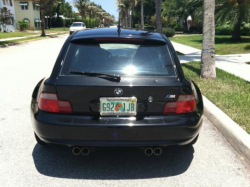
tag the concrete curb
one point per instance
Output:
(237, 137)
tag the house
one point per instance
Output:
(28, 11)
(11, 24)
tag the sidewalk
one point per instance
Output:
(16, 38)
(234, 64)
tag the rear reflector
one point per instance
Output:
(184, 104)
(49, 102)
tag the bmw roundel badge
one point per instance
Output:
(118, 92)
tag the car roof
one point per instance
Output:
(113, 33)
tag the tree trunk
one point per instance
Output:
(142, 15)
(208, 70)
(158, 5)
(236, 31)
(126, 20)
(43, 21)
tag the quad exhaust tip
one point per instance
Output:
(85, 151)
(150, 151)
(78, 150)
(157, 151)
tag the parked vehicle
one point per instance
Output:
(77, 26)
(117, 88)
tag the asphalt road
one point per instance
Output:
(210, 162)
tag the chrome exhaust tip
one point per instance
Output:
(76, 151)
(149, 151)
(157, 151)
(85, 151)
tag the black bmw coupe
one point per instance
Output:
(114, 87)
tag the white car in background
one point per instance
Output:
(76, 26)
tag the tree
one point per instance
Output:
(66, 11)
(5, 17)
(44, 4)
(208, 69)
(82, 6)
(148, 11)
(158, 6)
(142, 15)
(235, 11)
(123, 8)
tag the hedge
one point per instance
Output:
(169, 32)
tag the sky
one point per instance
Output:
(108, 5)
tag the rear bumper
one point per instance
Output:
(76, 130)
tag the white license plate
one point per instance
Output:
(118, 106)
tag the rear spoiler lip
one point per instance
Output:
(123, 38)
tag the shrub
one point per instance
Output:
(178, 27)
(23, 25)
(223, 29)
(57, 22)
(168, 32)
(245, 29)
(149, 28)
(146, 27)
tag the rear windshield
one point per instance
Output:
(119, 58)
(76, 25)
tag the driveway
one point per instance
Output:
(210, 162)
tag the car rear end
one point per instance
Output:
(84, 104)
(76, 26)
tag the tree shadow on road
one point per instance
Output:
(112, 163)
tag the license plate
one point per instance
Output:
(118, 106)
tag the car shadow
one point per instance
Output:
(112, 163)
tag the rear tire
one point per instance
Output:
(39, 141)
(194, 140)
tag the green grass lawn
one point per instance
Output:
(25, 33)
(223, 44)
(26, 39)
(14, 34)
(57, 29)
(179, 53)
(228, 92)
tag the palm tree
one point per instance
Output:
(237, 11)
(158, 5)
(82, 6)
(142, 15)
(208, 70)
(43, 6)
(123, 8)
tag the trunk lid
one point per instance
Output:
(84, 92)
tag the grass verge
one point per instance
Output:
(228, 92)
(223, 44)
(26, 39)
(179, 53)
(4, 35)
(55, 29)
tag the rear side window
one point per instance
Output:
(119, 58)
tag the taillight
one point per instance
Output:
(184, 104)
(49, 102)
